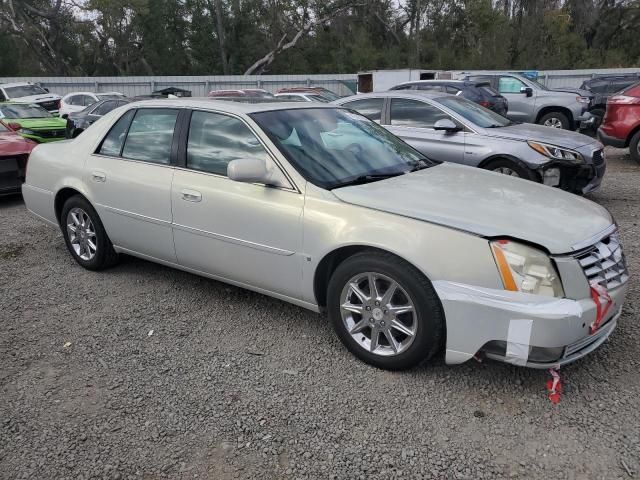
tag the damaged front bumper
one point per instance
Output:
(519, 328)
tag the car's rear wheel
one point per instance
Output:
(634, 147)
(85, 235)
(385, 311)
(511, 168)
(555, 120)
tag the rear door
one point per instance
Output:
(243, 232)
(129, 179)
(413, 120)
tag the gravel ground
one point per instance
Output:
(147, 372)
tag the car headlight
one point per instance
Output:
(26, 131)
(526, 269)
(557, 153)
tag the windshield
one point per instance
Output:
(474, 113)
(24, 91)
(23, 111)
(334, 147)
(537, 84)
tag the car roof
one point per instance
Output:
(229, 106)
(449, 81)
(413, 94)
(17, 84)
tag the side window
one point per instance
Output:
(510, 85)
(215, 140)
(105, 108)
(369, 107)
(74, 100)
(150, 135)
(413, 113)
(112, 143)
(87, 100)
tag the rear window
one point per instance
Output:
(632, 91)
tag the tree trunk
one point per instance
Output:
(221, 37)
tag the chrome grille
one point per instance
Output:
(598, 157)
(604, 263)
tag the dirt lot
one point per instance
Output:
(146, 372)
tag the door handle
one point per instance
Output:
(191, 196)
(99, 176)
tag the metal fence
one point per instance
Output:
(199, 86)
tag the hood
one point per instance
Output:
(44, 97)
(485, 203)
(13, 144)
(52, 123)
(579, 91)
(540, 133)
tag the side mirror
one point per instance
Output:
(254, 170)
(446, 125)
(528, 91)
(14, 126)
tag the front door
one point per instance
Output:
(243, 232)
(129, 180)
(413, 120)
(521, 107)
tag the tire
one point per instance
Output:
(555, 120)
(634, 147)
(103, 256)
(425, 321)
(505, 166)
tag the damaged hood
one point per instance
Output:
(485, 203)
(540, 133)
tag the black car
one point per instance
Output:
(78, 122)
(604, 86)
(479, 92)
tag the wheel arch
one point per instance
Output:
(62, 196)
(635, 130)
(556, 108)
(332, 259)
(512, 158)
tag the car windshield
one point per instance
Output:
(23, 111)
(537, 84)
(24, 91)
(475, 113)
(336, 147)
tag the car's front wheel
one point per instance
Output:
(385, 311)
(555, 120)
(511, 168)
(85, 235)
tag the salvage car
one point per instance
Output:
(14, 153)
(453, 129)
(78, 101)
(481, 93)
(407, 255)
(621, 125)
(26, 92)
(604, 86)
(533, 102)
(78, 122)
(32, 121)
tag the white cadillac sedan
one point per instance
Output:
(321, 207)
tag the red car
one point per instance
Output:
(14, 152)
(621, 125)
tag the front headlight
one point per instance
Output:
(557, 153)
(526, 269)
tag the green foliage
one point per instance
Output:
(183, 37)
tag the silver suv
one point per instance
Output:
(450, 128)
(532, 102)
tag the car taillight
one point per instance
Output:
(485, 104)
(623, 100)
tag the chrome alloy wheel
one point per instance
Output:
(82, 234)
(553, 122)
(506, 171)
(378, 314)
